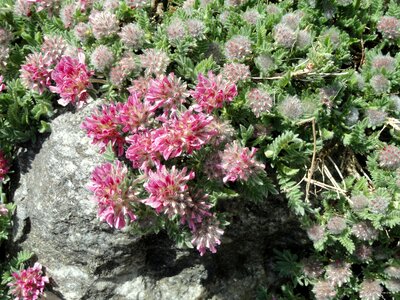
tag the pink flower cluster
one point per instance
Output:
(158, 124)
(212, 92)
(238, 162)
(3, 210)
(2, 84)
(72, 80)
(36, 72)
(71, 75)
(171, 134)
(112, 193)
(4, 166)
(185, 133)
(28, 284)
(167, 190)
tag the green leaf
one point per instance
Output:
(109, 153)
(347, 242)
(44, 127)
(204, 66)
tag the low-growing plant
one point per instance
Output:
(210, 101)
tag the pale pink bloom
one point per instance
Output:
(54, 46)
(112, 194)
(211, 167)
(122, 70)
(111, 5)
(103, 127)
(5, 36)
(85, 4)
(236, 72)
(176, 30)
(139, 86)
(207, 235)
(28, 284)
(128, 63)
(187, 132)
(167, 189)
(167, 92)
(154, 61)
(67, 14)
(389, 27)
(137, 4)
(238, 48)
(4, 165)
(224, 131)
(140, 151)
(36, 72)
(2, 85)
(338, 273)
(3, 210)
(117, 75)
(212, 92)
(82, 31)
(238, 162)
(134, 114)
(132, 36)
(101, 58)
(259, 101)
(72, 80)
(195, 28)
(22, 8)
(104, 24)
(49, 5)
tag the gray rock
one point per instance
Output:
(86, 259)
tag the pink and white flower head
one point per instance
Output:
(72, 77)
(139, 86)
(3, 210)
(207, 235)
(67, 14)
(103, 128)
(167, 92)
(36, 72)
(54, 46)
(134, 114)
(104, 24)
(82, 31)
(49, 5)
(137, 4)
(22, 8)
(112, 194)
(224, 131)
(185, 133)
(28, 284)
(236, 72)
(197, 208)
(238, 162)
(2, 84)
(238, 48)
(168, 189)
(101, 58)
(140, 151)
(259, 101)
(85, 4)
(132, 36)
(122, 70)
(212, 92)
(154, 61)
(4, 165)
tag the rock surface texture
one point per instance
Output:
(86, 259)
